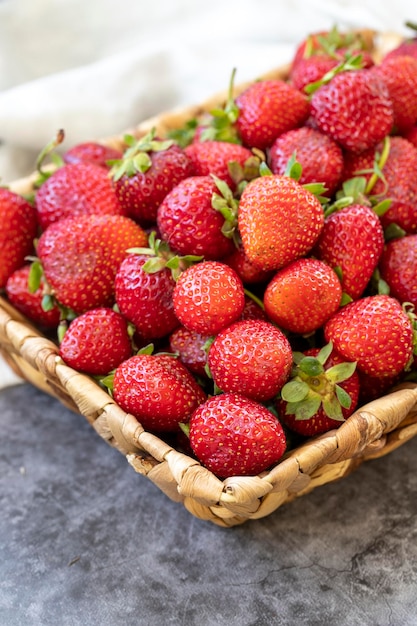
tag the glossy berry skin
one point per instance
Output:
(76, 189)
(250, 273)
(399, 184)
(279, 221)
(213, 157)
(145, 298)
(158, 390)
(92, 152)
(354, 109)
(320, 157)
(250, 357)
(400, 76)
(208, 297)
(352, 239)
(375, 332)
(189, 346)
(141, 194)
(81, 255)
(311, 69)
(28, 303)
(96, 342)
(18, 230)
(302, 296)
(267, 109)
(320, 422)
(398, 267)
(189, 223)
(235, 436)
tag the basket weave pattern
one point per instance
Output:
(372, 431)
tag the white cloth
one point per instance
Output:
(95, 68)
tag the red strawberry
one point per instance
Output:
(148, 171)
(250, 357)
(249, 273)
(30, 303)
(398, 267)
(351, 242)
(374, 331)
(92, 152)
(407, 47)
(399, 182)
(189, 346)
(96, 342)
(302, 296)
(253, 310)
(311, 69)
(76, 189)
(354, 109)
(267, 109)
(323, 392)
(18, 229)
(400, 76)
(279, 221)
(214, 157)
(158, 390)
(333, 43)
(235, 436)
(208, 297)
(145, 297)
(320, 157)
(188, 218)
(80, 257)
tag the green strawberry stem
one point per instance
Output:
(48, 151)
(349, 63)
(136, 156)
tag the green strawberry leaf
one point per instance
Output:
(293, 168)
(35, 276)
(340, 372)
(344, 398)
(325, 352)
(295, 391)
(306, 409)
(332, 408)
(393, 231)
(311, 366)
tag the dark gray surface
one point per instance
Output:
(84, 540)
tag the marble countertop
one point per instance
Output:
(85, 540)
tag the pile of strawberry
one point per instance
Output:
(249, 280)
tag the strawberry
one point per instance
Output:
(30, 303)
(398, 267)
(311, 69)
(145, 297)
(76, 189)
(253, 309)
(279, 221)
(214, 157)
(374, 331)
(96, 342)
(92, 152)
(303, 295)
(19, 227)
(320, 157)
(190, 347)
(267, 109)
(80, 256)
(407, 47)
(354, 109)
(235, 436)
(208, 297)
(322, 393)
(158, 390)
(400, 76)
(149, 169)
(396, 158)
(351, 242)
(188, 218)
(333, 43)
(249, 273)
(250, 357)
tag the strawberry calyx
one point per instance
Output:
(331, 42)
(221, 123)
(136, 157)
(350, 62)
(226, 204)
(294, 170)
(161, 256)
(312, 386)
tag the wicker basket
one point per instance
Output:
(373, 431)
